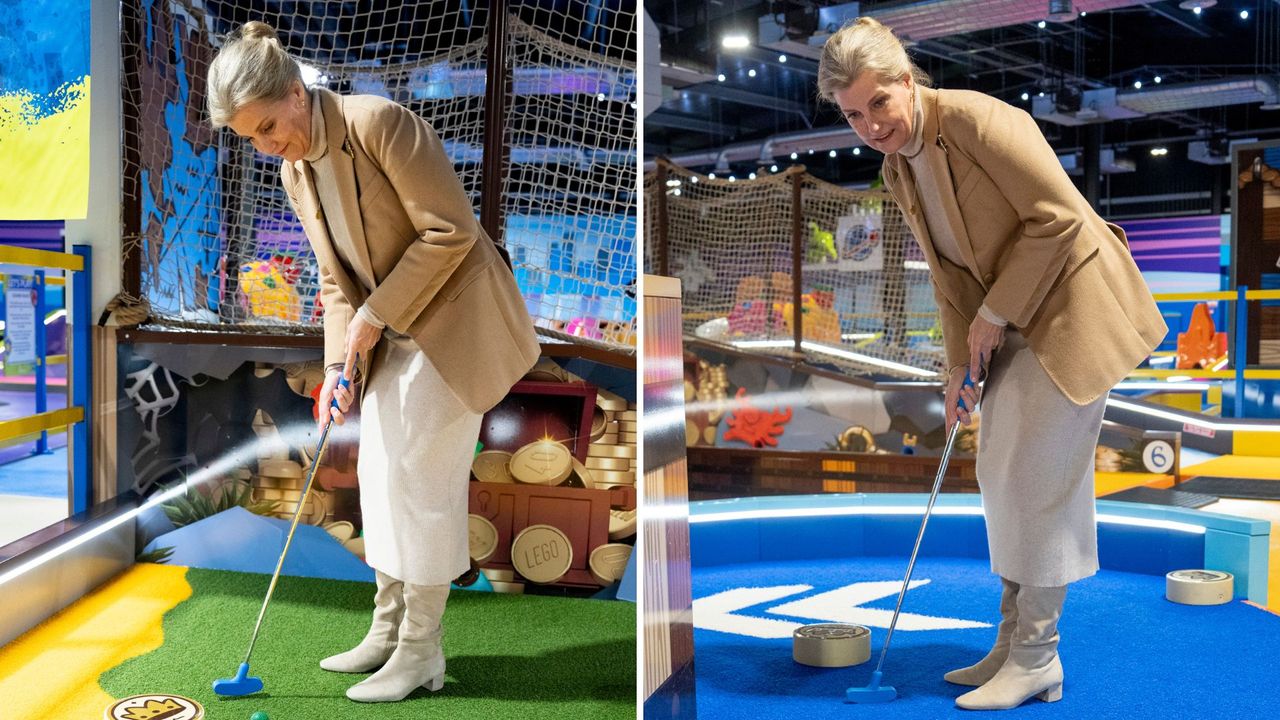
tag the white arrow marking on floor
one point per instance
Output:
(719, 612)
(716, 612)
(843, 605)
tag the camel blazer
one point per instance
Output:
(439, 278)
(1034, 250)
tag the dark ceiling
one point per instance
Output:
(1103, 49)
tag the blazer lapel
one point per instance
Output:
(903, 185)
(313, 223)
(343, 160)
(936, 153)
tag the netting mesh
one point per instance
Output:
(218, 243)
(866, 303)
(569, 191)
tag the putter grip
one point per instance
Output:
(343, 381)
(968, 382)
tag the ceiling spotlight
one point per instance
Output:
(1157, 79)
(1026, 96)
(857, 151)
(773, 168)
(600, 97)
(733, 178)
(1041, 93)
(831, 154)
(677, 192)
(711, 175)
(810, 151)
(1159, 151)
(735, 41)
(720, 77)
(782, 58)
(1083, 13)
(1244, 14)
(1042, 24)
(751, 72)
(1137, 84)
(693, 179)
(752, 176)
(795, 156)
(1197, 10)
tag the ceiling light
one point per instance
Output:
(1157, 79)
(1159, 151)
(782, 58)
(1041, 24)
(733, 178)
(831, 154)
(1083, 13)
(751, 72)
(711, 175)
(600, 97)
(773, 168)
(795, 156)
(720, 77)
(1197, 10)
(693, 179)
(1041, 93)
(857, 151)
(810, 151)
(1137, 84)
(1244, 14)
(735, 41)
(752, 176)
(1026, 96)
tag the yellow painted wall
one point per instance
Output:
(44, 162)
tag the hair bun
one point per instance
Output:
(255, 30)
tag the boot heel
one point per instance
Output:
(437, 682)
(1053, 694)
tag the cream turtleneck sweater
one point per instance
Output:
(944, 240)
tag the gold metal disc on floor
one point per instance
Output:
(1199, 587)
(831, 645)
(155, 706)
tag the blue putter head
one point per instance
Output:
(241, 684)
(872, 693)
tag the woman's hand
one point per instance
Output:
(955, 391)
(361, 337)
(328, 392)
(984, 338)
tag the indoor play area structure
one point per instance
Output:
(162, 367)
(812, 440)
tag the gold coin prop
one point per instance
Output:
(613, 477)
(608, 562)
(482, 538)
(580, 477)
(544, 462)
(492, 466)
(341, 530)
(542, 553)
(622, 524)
(596, 463)
(275, 468)
(148, 707)
(611, 451)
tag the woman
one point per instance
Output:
(1018, 261)
(413, 287)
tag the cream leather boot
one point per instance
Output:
(418, 660)
(986, 668)
(380, 641)
(1033, 668)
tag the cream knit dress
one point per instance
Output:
(1035, 446)
(417, 440)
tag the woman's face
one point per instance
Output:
(281, 128)
(880, 112)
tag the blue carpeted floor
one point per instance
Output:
(1128, 652)
(35, 475)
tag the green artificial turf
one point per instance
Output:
(509, 656)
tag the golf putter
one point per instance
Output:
(243, 683)
(873, 692)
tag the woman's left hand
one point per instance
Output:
(984, 338)
(361, 337)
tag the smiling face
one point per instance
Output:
(880, 112)
(280, 128)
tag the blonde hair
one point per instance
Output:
(863, 45)
(251, 66)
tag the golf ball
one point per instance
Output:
(258, 716)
